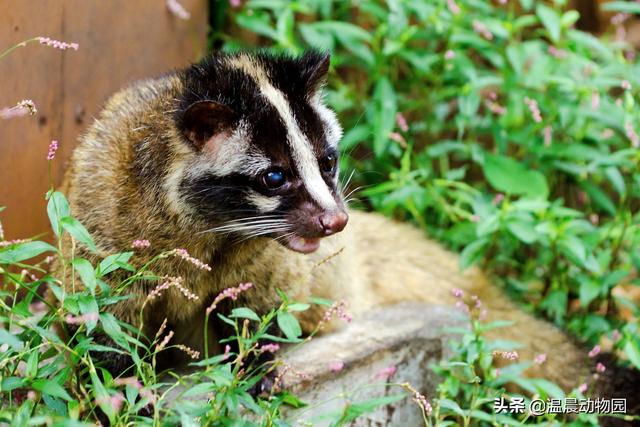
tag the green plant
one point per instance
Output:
(500, 129)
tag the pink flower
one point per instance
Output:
(556, 53)
(22, 108)
(534, 109)
(449, 55)
(336, 366)
(338, 309)
(128, 381)
(395, 136)
(423, 402)
(453, 7)
(82, 319)
(582, 388)
(508, 355)
(625, 85)
(172, 282)
(269, 348)
(457, 292)
(475, 218)
(387, 372)
(496, 108)
(231, 293)
(401, 121)
(498, 199)
(227, 352)
(600, 368)
(115, 401)
(498, 372)
(140, 244)
(476, 301)
(481, 29)
(57, 44)
(182, 253)
(540, 359)
(615, 335)
(594, 351)
(178, 10)
(632, 135)
(188, 351)
(619, 18)
(53, 147)
(595, 100)
(164, 342)
(630, 55)
(462, 306)
(235, 3)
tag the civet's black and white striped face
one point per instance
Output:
(267, 148)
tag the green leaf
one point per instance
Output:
(599, 197)
(622, 6)
(526, 4)
(77, 230)
(12, 383)
(289, 325)
(589, 290)
(355, 410)
(199, 389)
(114, 262)
(8, 338)
(19, 252)
(86, 272)
(298, 307)
(452, 406)
(550, 20)
(257, 23)
(57, 208)
(633, 353)
(512, 177)
(616, 180)
(31, 368)
(51, 388)
(524, 231)
(385, 108)
(316, 38)
(473, 252)
(244, 313)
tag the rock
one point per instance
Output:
(396, 341)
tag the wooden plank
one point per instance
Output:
(120, 41)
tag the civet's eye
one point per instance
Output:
(274, 178)
(328, 164)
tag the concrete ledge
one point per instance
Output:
(405, 338)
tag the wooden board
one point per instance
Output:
(120, 41)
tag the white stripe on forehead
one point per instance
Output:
(300, 146)
(329, 119)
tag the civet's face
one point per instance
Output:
(267, 162)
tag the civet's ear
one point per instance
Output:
(315, 68)
(204, 120)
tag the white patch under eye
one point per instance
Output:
(301, 150)
(263, 203)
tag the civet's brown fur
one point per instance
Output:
(375, 261)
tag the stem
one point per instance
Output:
(16, 46)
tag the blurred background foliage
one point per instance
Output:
(498, 127)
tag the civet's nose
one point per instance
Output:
(333, 222)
